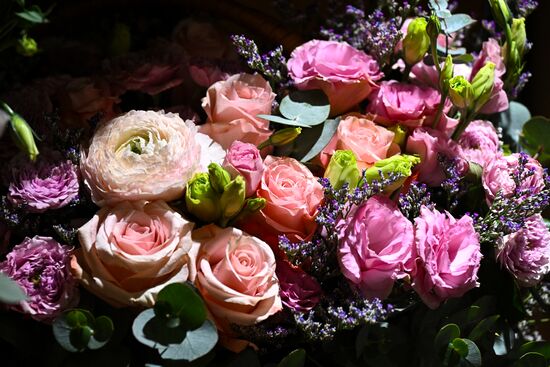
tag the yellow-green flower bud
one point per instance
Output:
(201, 199)
(482, 85)
(433, 28)
(446, 74)
(519, 36)
(342, 168)
(460, 91)
(400, 134)
(219, 177)
(23, 136)
(26, 46)
(254, 204)
(282, 137)
(501, 12)
(400, 164)
(417, 42)
(232, 199)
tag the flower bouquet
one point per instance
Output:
(374, 198)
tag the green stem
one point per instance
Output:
(433, 44)
(465, 119)
(444, 95)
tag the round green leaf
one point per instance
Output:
(460, 347)
(296, 358)
(535, 138)
(541, 347)
(309, 107)
(76, 318)
(513, 119)
(153, 332)
(445, 335)
(483, 327)
(10, 292)
(103, 328)
(196, 344)
(329, 129)
(183, 302)
(282, 120)
(532, 359)
(80, 337)
(72, 329)
(474, 355)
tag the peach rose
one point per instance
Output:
(232, 107)
(131, 251)
(142, 155)
(367, 140)
(236, 276)
(293, 195)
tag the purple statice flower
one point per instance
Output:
(415, 198)
(41, 266)
(522, 82)
(526, 7)
(49, 183)
(526, 253)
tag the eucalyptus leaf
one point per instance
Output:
(32, 16)
(456, 22)
(460, 346)
(77, 329)
(535, 138)
(196, 344)
(296, 358)
(513, 119)
(532, 359)
(541, 347)
(182, 302)
(483, 327)
(103, 329)
(80, 337)
(440, 7)
(309, 107)
(445, 335)
(329, 129)
(455, 52)
(10, 292)
(62, 332)
(282, 120)
(474, 355)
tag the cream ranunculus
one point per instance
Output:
(142, 155)
(131, 251)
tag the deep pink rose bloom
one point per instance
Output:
(244, 159)
(376, 246)
(526, 253)
(40, 265)
(431, 145)
(498, 176)
(345, 74)
(299, 291)
(448, 256)
(480, 142)
(408, 104)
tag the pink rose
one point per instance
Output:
(232, 107)
(368, 141)
(345, 74)
(299, 291)
(376, 246)
(432, 145)
(236, 276)
(480, 142)
(407, 104)
(448, 256)
(131, 251)
(498, 175)
(244, 159)
(293, 195)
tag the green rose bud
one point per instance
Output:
(401, 164)
(460, 91)
(400, 137)
(342, 168)
(26, 46)
(433, 28)
(501, 12)
(232, 199)
(446, 74)
(282, 137)
(201, 199)
(219, 177)
(482, 85)
(519, 35)
(417, 42)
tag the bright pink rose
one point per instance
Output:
(293, 195)
(448, 256)
(131, 251)
(432, 145)
(205, 76)
(480, 142)
(368, 141)
(244, 159)
(376, 246)
(345, 74)
(236, 276)
(299, 291)
(498, 175)
(232, 107)
(407, 104)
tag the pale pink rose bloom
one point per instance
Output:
(448, 259)
(293, 195)
(232, 107)
(236, 276)
(480, 142)
(498, 176)
(345, 74)
(431, 145)
(244, 159)
(131, 251)
(368, 141)
(376, 247)
(142, 155)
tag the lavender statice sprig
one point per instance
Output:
(453, 185)
(415, 198)
(522, 82)
(526, 7)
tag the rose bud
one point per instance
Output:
(232, 199)
(482, 85)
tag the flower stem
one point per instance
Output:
(439, 113)
(465, 119)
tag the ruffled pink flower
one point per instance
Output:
(299, 291)
(448, 259)
(244, 159)
(40, 265)
(480, 142)
(345, 74)
(526, 253)
(376, 247)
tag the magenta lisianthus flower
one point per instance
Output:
(479, 142)
(526, 253)
(41, 266)
(299, 291)
(244, 159)
(49, 183)
(376, 246)
(448, 256)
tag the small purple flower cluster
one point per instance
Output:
(526, 7)
(416, 197)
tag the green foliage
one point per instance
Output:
(296, 358)
(77, 329)
(10, 292)
(535, 138)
